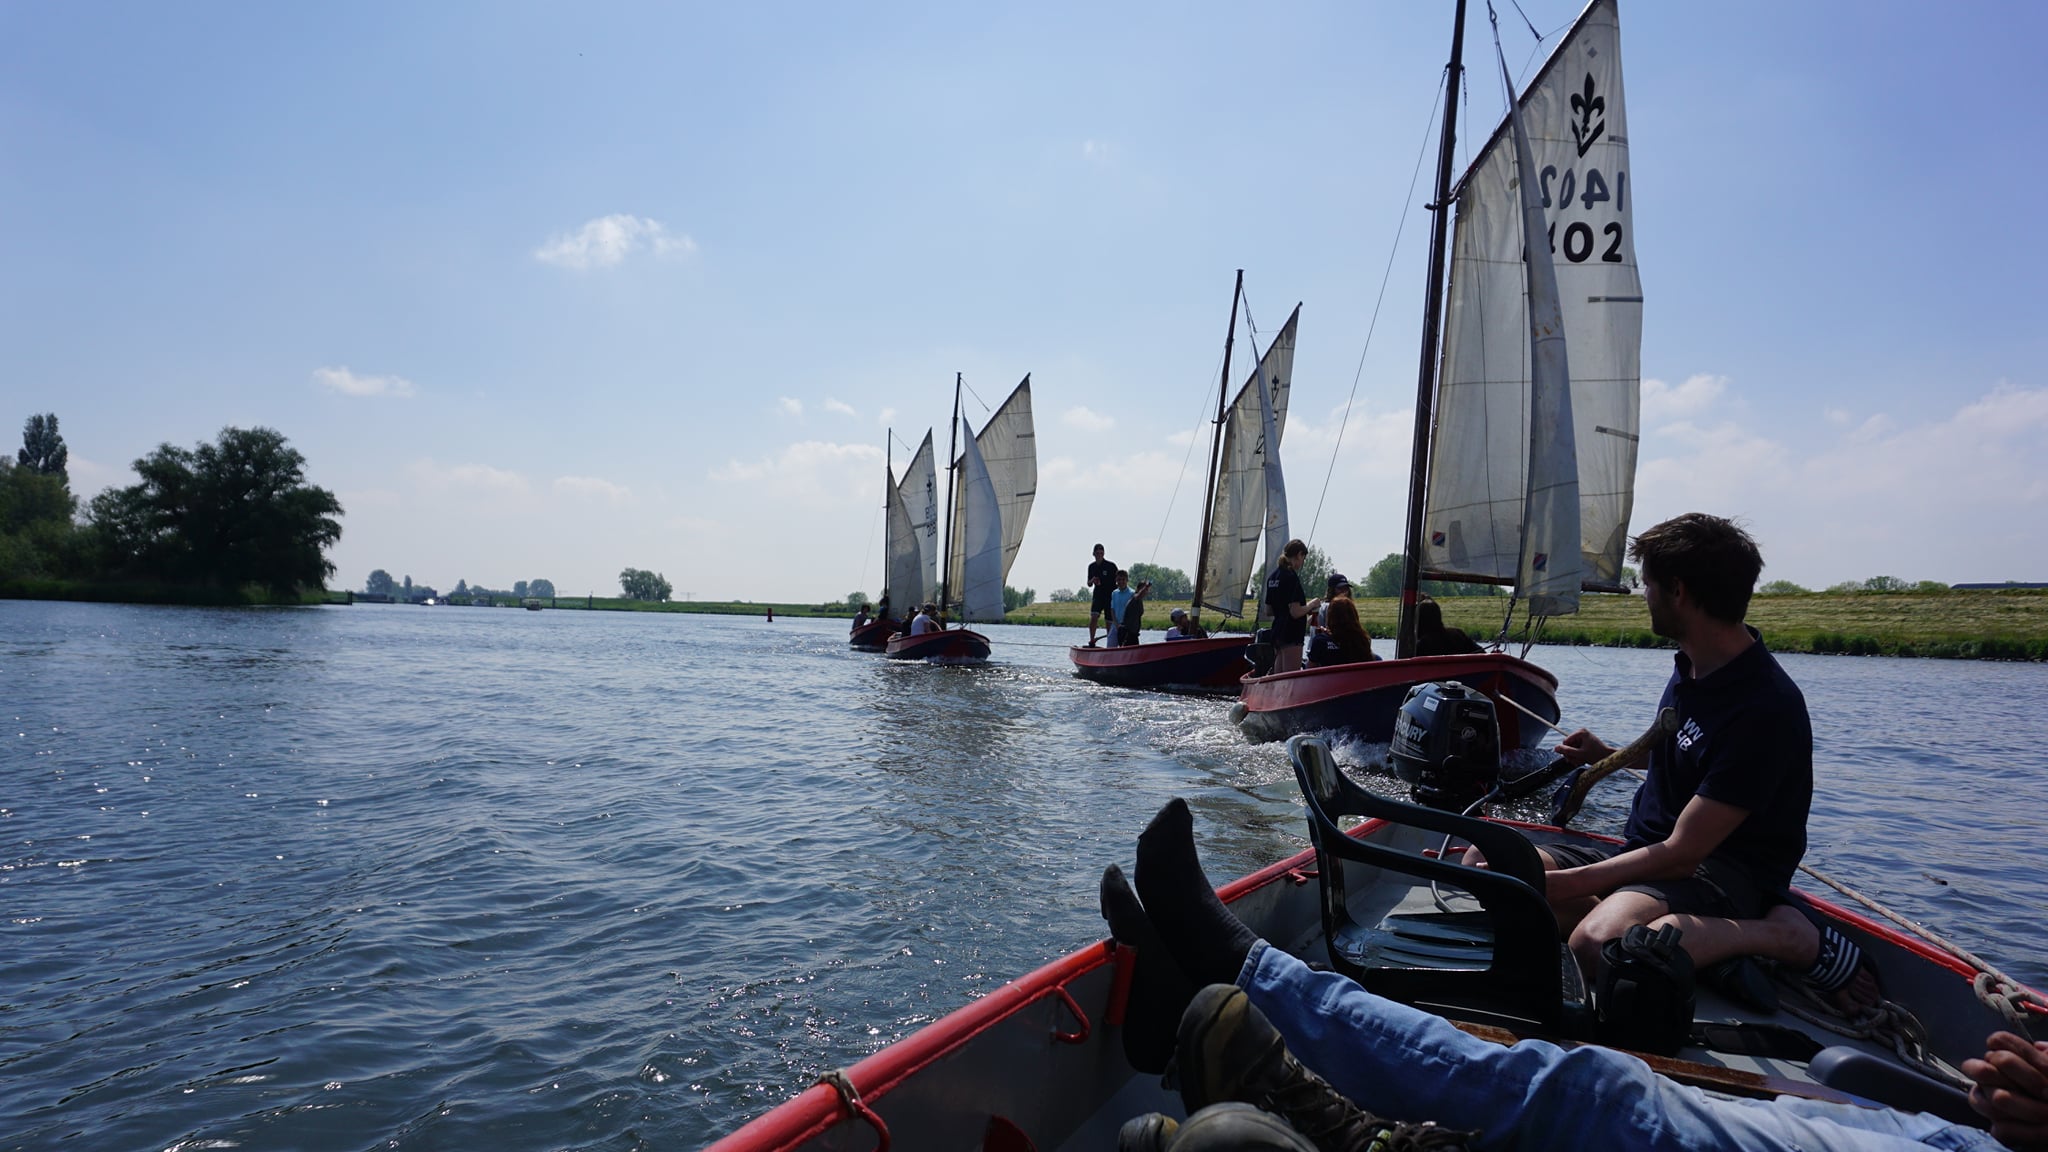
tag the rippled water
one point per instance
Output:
(381, 876)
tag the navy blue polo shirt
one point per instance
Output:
(1744, 739)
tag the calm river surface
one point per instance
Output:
(400, 878)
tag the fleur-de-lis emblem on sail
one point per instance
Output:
(1586, 106)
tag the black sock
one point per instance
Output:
(1160, 991)
(1204, 938)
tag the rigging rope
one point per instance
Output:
(1372, 325)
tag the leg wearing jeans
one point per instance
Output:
(1407, 1064)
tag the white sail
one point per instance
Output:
(1238, 511)
(1009, 449)
(1276, 482)
(1547, 573)
(912, 541)
(1479, 455)
(981, 528)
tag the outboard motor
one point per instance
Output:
(1446, 745)
(1260, 652)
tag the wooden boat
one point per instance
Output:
(1244, 487)
(910, 549)
(1360, 700)
(1523, 460)
(1039, 1062)
(945, 646)
(992, 482)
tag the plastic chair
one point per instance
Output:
(1504, 962)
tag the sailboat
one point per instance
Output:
(1524, 458)
(910, 549)
(992, 482)
(1245, 500)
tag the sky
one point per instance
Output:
(543, 291)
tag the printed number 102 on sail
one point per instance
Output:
(1579, 241)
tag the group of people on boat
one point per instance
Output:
(1713, 837)
(926, 618)
(1327, 631)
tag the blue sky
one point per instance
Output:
(552, 292)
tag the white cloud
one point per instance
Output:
(839, 406)
(479, 479)
(809, 474)
(885, 415)
(1954, 498)
(349, 384)
(592, 486)
(608, 240)
(1087, 419)
(1100, 151)
(790, 406)
(1663, 402)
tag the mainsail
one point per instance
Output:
(912, 541)
(1239, 512)
(1488, 411)
(981, 538)
(1009, 450)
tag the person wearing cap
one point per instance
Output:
(1184, 626)
(1350, 643)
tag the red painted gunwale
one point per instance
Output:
(948, 644)
(1153, 662)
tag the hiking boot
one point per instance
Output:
(1151, 1132)
(1228, 1050)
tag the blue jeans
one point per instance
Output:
(1406, 1064)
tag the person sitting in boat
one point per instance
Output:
(1290, 611)
(1432, 638)
(1247, 1023)
(882, 607)
(1719, 823)
(1184, 626)
(860, 618)
(1340, 638)
(925, 621)
(1126, 610)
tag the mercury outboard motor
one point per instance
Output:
(1446, 745)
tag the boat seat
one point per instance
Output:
(1891, 1083)
(1504, 964)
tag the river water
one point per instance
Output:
(380, 876)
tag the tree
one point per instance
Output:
(37, 538)
(1315, 570)
(1847, 586)
(519, 589)
(380, 584)
(854, 600)
(1630, 578)
(639, 584)
(461, 587)
(1931, 586)
(225, 514)
(1384, 578)
(42, 449)
(1013, 599)
(544, 589)
(1884, 584)
(1782, 588)
(1165, 581)
(1064, 596)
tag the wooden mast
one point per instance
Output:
(1432, 325)
(1216, 446)
(952, 496)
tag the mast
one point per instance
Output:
(888, 490)
(952, 447)
(1216, 446)
(1432, 325)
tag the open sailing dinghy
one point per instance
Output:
(910, 548)
(1524, 465)
(1039, 1063)
(1244, 480)
(993, 482)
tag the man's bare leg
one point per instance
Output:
(1568, 912)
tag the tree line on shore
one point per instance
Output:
(221, 517)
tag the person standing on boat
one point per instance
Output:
(1102, 580)
(1126, 610)
(1284, 599)
(1719, 823)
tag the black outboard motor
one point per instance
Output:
(1260, 652)
(1446, 745)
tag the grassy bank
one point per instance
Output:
(1971, 625)
(141, 592)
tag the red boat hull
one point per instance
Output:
(1215, 664)
(1361, 699)
(874, 636)
(950, 646)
